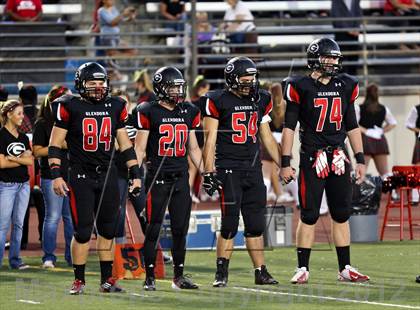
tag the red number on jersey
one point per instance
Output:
(179, 133)
(90, 134)
(335, 114)
(241, 130)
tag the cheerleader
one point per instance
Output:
(413, 124)
(374, 120)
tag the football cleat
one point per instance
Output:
(262, 277)
(183, 283)
(77, 287)
(149, 284)
(301, 276)
(350, 274)
(110, 286)
(220, 279)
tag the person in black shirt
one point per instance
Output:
(90, 124)
(235, 119)
(375, 120)
(167, 136)
(15, 157)
(56, 207)
(323, 103)
(173, 10)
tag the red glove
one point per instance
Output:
(321, 165)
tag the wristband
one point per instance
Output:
(55, 171)
(285, 161)
(134, 172)
(360, 158)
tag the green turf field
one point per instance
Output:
(392, 267)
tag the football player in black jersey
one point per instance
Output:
(90, 124)
(235, 119)
(167, 136)
(323, 103)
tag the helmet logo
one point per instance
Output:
(314, 48)
(229, 68)
(157, 78)
(98, 75)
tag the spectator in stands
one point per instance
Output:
(4, 94)
(109, 18)
(205, 30)
(413, 124)
(28, 95)
(401, 8)
(238, 19)
(24, 10)
(348, 40)
(144, 90)
(56, 207)
(174, 11)
(374, 120)
(15, 157)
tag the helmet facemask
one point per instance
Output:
(94, 93)
(329, 68)
(246, 88)
(174, 92)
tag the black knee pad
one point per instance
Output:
(153, 231)
(309, 217)
(253, 234)
(340, 215)
(83, 234)
(255, 226)
(107, 230)
(229, 227)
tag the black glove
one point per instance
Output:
(211, 183)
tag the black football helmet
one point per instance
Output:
(324, 47)
(235, 69)
(87, 72)
(169, 85)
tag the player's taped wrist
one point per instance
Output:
(134, 172)
(128, 154)
(285, 161)
(55, 152)
(55, 171)
(360, 158)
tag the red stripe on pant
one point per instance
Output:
(73, 206)
(149, 207)
(302, 189)
(222, 202)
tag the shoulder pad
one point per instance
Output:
(348, 79)
(144, 107)
(214, 95)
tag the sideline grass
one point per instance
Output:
(392, 267)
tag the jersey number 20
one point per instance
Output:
(335, 114)
(171, 134)
(90, 134)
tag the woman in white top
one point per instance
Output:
(239, 20)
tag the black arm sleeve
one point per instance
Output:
(350, 118)
(292, 115)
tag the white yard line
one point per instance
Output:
(29, 302)
(374, 303)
